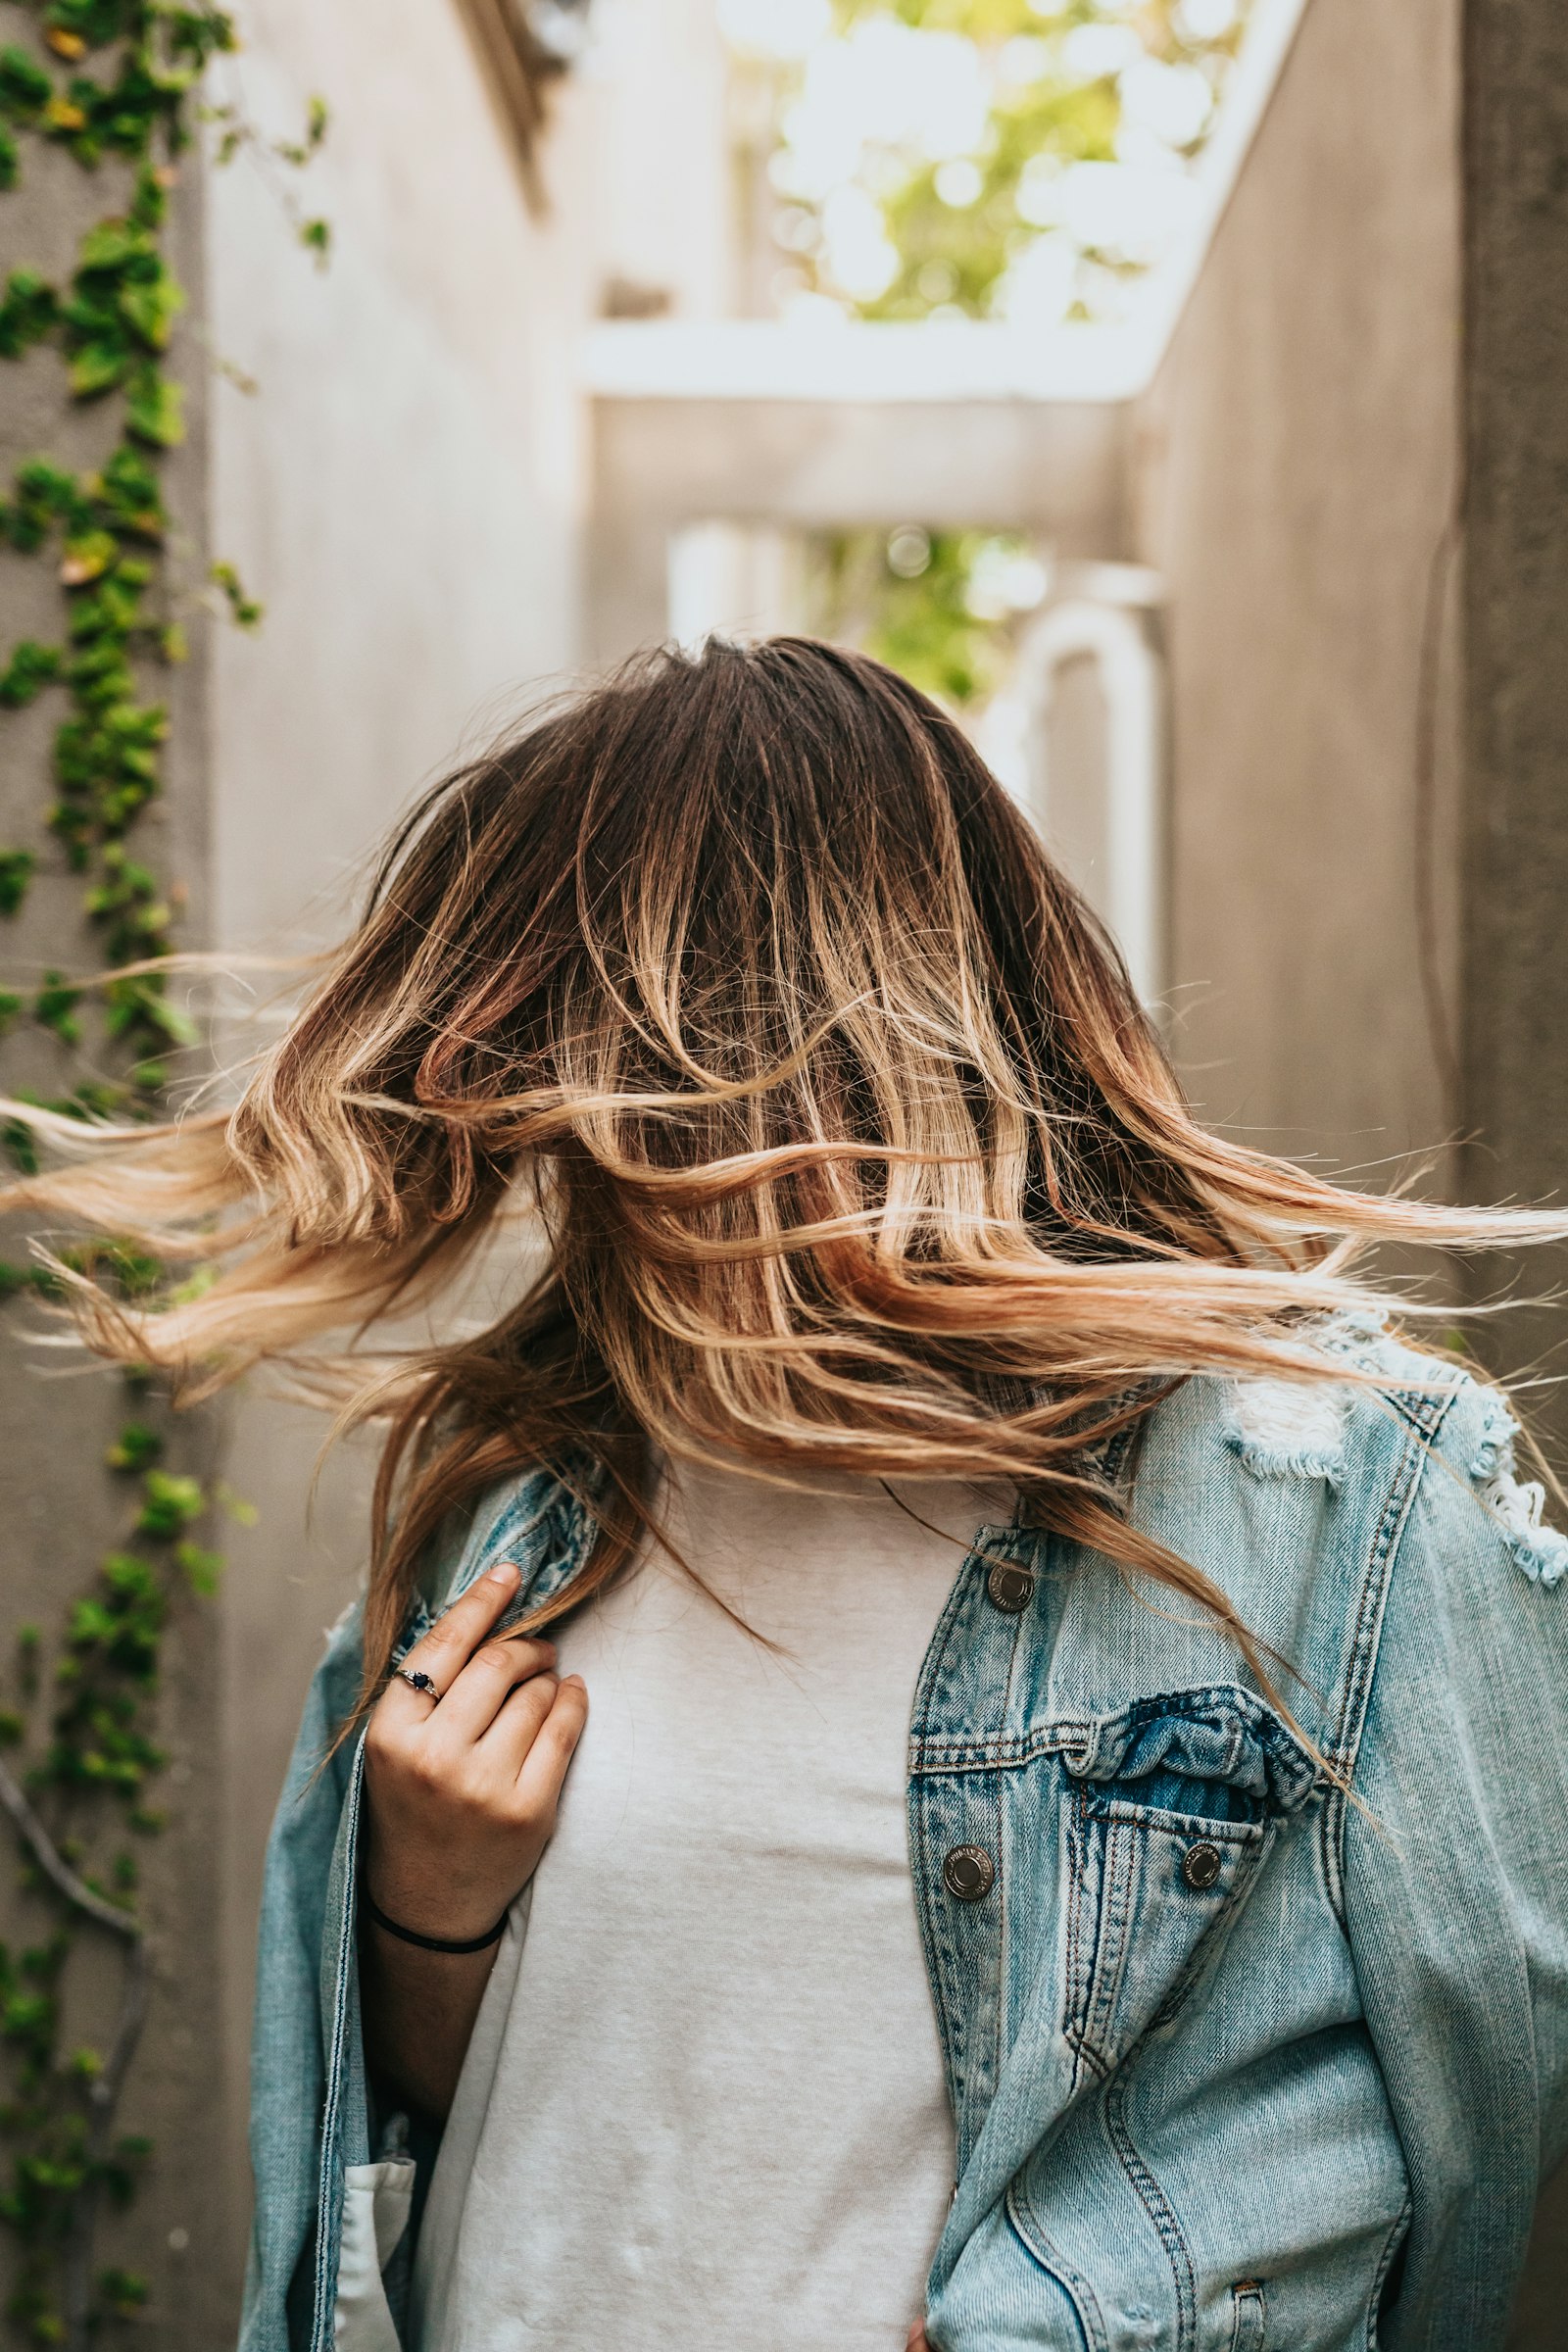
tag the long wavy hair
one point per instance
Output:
(736, 1025)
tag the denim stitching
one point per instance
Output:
(328, 2202)
(1078, 1978)
(1160, 2211)
(999, 2038)
(1427, 1414)
(1150, 2193)
(1004, 1873)
(1006, 1749)
(1161, 1817)
(942, 1958)
(1123, 1858)
(1076, 1733)
(1076, 2287)
(1396, 2239)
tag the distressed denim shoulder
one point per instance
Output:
(1254, 2009)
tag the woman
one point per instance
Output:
(1054, 1719)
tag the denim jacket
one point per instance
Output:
(1239, 2053)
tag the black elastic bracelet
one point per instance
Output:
(433, 1943)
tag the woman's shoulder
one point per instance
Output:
(1471, 1495)
(1390, 1506)
(1416, 1436)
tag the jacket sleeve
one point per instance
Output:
(287, 2060)
(1456, 1888)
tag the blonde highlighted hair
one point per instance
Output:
(739, 1006)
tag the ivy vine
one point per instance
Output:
(115, 82)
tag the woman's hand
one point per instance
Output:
(460, 1791)
(918, 2339)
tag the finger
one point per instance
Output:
(480, 1691)
(518, 1724)
(554, 1745)
(446, 1648)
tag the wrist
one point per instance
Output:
(436, 1903)
(458, 1947)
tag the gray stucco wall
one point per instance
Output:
(404, 491)
(60, 1513)
(1296, 470)
(1514, 1035)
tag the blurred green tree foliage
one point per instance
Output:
(1045, 113)
(939, 606)
(892, 210)
(964, 194)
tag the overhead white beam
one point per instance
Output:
(858, 360)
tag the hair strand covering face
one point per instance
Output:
(739, 1017)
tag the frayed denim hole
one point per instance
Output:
(1288, 1429)
(1516, 1505)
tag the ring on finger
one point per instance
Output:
(418, 1682)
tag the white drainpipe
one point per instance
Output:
(1114, 636)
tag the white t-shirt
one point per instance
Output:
(703, 2104)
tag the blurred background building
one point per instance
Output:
(1173, 386)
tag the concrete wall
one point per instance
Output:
(1298, 471)
(652, 100)
(1515, 1012)
(60, 1514)
(405, 489)
(405, 493)
(1514, 1035)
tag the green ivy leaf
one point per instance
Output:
(203, 1570)
(172, 1503)
(235, 1506)
(125, 2291)
(151, 309)
(98, 365)
(152, 409)
(149, 202)
(87, 557)
(129, 487)
(26, 89)
(243, 610)
(31, 668)
(55, 1007)
(135, 1448)
(112, 244)
(16, 1142)
(30, 309)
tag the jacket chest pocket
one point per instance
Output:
(1172, 1806)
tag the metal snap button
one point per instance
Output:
(1010, 1589)
(967, 1872)
(1201, 1865)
